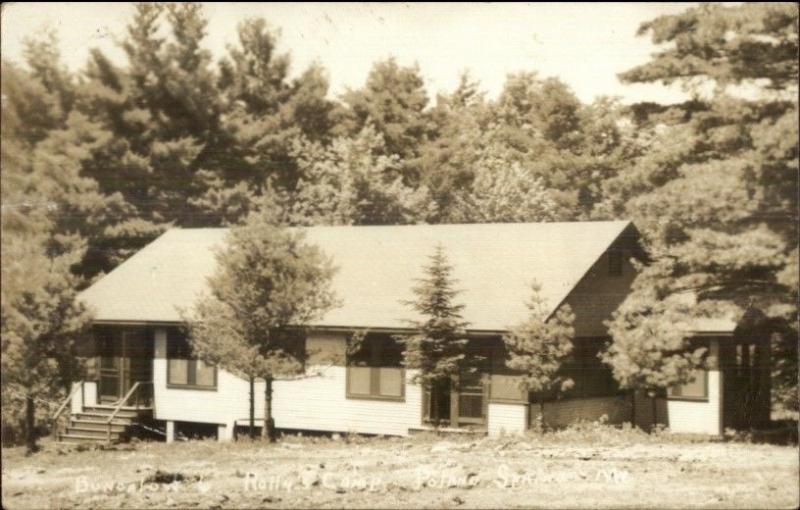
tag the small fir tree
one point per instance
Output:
(539, 346)
(437, 350)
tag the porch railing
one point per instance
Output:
(134, 391)
(60, 410)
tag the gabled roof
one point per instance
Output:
(377, 267)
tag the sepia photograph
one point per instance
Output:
(400, 255)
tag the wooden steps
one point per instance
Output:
(91, 424)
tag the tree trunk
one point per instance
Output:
(633, 408)
(268, 431)
(252, 431)
(655, 412)
(30, 425)
(541, 412)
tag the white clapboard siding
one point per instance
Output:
(509, 419)
(685, 416)
(319, 401)
(315, 402)
(698, 417)
(221, 406)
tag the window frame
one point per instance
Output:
(191, 368)
(524, 397)
(582, 360)
(374, 378)
(691, 398)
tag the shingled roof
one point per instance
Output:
(377, 267)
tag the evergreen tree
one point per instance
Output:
(269, 284)
(539, 346)
(150, 125)
(393, 100)
(41, 324)
(503, 191)
(715, 188)
(447, 159)
(651, 348)
(41, 319)
(549, 131)
(559, 149)
(353, 182)
(266, 115)
(437, 349)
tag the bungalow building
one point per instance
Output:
(141, 367)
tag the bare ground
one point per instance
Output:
(570, 470)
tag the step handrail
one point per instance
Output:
(122, 403)
(63, 405)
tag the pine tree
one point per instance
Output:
(541, 125)
(539, 346)
(715, 187)
(651, 348)
(503, 191)
(40, 318)
(143, 131)
(265, 116)
(393, 100)
(437, 350)
(269, 284)
(352, 182)
(447, 159)
(41, 325)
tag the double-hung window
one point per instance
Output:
(695, 389)
(183, 370)
(375, 371)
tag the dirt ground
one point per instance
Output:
(571, 470)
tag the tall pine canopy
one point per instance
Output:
(714, 189)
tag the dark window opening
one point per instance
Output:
(183, 370)
(590, 376)
(375, 370)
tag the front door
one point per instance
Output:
(125, 357)
(462, 405)
(471, 399)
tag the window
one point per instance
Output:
(185, 371)
(375, 370)
(696, 388)
(505, 388)
(615, 263)
(590, 376)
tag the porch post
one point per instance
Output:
(716, 380)
(170, 431)
(454, 382)
(89, 393)
(77, 402)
